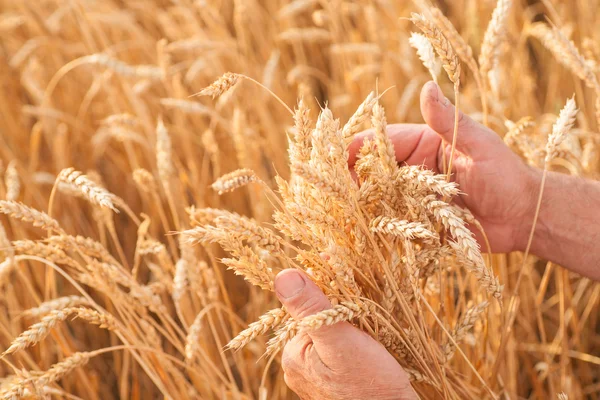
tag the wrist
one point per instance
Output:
(530, 195)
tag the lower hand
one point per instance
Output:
(334, 362)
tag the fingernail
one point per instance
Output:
(441, 98)
(289, 283)
(439, 95)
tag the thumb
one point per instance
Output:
(302, 298)
(438, 113)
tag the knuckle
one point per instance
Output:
(463, 120)
(307, 305)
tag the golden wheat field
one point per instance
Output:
(163, 160)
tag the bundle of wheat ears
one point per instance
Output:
(133, 211)
(374, 244)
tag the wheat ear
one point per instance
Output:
(270, 320)
(93, 192)
(28, 214)
(235, 180)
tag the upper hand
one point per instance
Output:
(497, 186)
(334, 362)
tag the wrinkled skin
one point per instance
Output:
(334, 362)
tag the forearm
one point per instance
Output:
(568, 227)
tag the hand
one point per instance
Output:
(499, 188)
(338, 361)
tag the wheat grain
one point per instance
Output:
(145, 180)
(425, 52)
(163, 154)
(466, 244)
(28, 214)
(88, 246)
(45, 251)
(249, 231)
(462, 48)
(561, 128)
(362, 114)
(192, 341)
(38, 331)
(323, 182)
(385, 147)
(139, 71)
(494, 36)
(180, 281)
(254, 269)
(341, 312)
(565, 52)
(121, 119)
(282, 336)
(93, 192)
(270, 320)
(235, 180)
(416, 376)
(425, 180)
(402, 228)
(466, 323)
(221, 85)
(441, 45)
(515, 129)
(57, 371)
(12, 182)
(296, 7)
(60, 303)
(309, 35)
(204, 216)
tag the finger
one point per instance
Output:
(302, 298)
(294, 363)
(405, 138)
(438, 113)
(299, 294)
